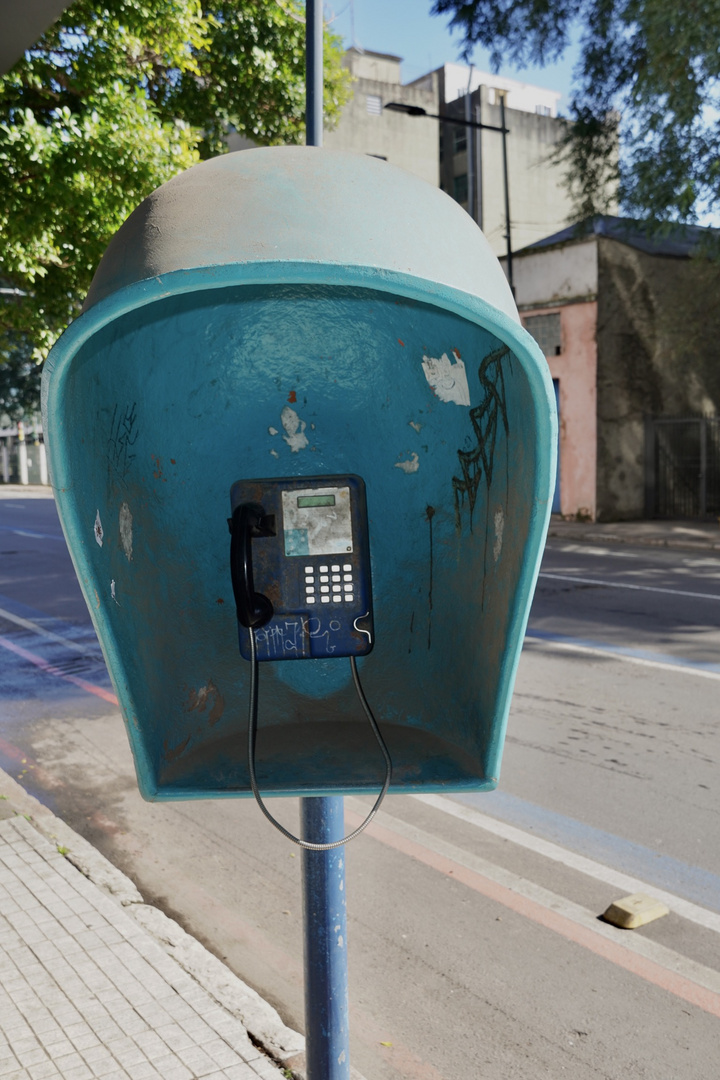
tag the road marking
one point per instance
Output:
(49, 669)
(656, 964)
(619, 652)
(29, 533)
(625, 882)
(626, 585)
(34, 628)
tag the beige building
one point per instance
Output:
(465, 162)
(367, 127)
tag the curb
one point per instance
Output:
(635, 540)
(262, 1022)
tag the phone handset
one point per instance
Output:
(248, 520)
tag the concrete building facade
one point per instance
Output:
(366, 127)
(629, 324)
(465, 162)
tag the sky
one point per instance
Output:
(405, 28)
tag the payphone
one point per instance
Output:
(304, 543)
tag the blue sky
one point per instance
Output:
(406, 28)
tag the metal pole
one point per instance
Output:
(327, 1041)
(511, 280)
(313, 73)
(327, 1045)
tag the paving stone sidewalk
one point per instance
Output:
(86, 991)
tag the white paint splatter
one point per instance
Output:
(410, 466)
(294, 429)
(272, 431)
(340, 941)
(416, 427)
(341, 1059)
(274, 453)
(112, 592)
(98, 529)
(126, 530)
(448, 380)
(499, 519)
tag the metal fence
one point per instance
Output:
(682, 466)
(22, 461)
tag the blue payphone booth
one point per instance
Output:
(331, 341)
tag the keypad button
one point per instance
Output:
(324, 569)
(334, 569)
(347, 577)
(347, 566)
(336, 577)
(348, 588)
(310, 599)
(349, 598)
(324, 578)
(324, 588)
(325, 599)
(309, 569)
(309, 580)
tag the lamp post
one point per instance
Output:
(417, 110)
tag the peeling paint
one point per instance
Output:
(415, 426)
(206, 695)
(448, 380)
(126, 538)
(98, 529)
(340, 941)
(112, 592)
(294, 429)
(274, 453)
(410, 466)
(499, 519)
(273, 431)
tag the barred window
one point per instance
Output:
(546, 331)
(373, 104)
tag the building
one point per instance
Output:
(629, 322)
(366, 127)
(465, 162)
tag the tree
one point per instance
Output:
(654, 63)
(116, 98)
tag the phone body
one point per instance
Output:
(311, 561)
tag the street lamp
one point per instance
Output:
(417, 110)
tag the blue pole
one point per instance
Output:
(327, 1035)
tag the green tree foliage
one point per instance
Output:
(651, 65)
(116, 98)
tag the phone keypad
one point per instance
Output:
(329, 583)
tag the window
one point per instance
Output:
(459, 139)
(460, 188)
(546, 331)
(373, 104)
(543, 110)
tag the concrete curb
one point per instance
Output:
(634, 539)
(260, 1019)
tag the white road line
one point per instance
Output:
(682, 669)
(685, 908)
(626, 585)
(42, 632)
(641, 946)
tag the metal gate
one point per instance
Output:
(682, 466)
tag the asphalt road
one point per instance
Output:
(475, 947)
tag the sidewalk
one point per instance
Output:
(697, 535)
(95, 983)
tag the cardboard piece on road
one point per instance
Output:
(633, 911)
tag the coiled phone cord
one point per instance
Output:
(252, 738)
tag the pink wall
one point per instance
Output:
(576, 368)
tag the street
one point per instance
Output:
(474, 940)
